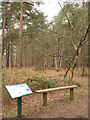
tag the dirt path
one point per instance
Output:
(68, 110)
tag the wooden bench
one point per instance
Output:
(44, 91)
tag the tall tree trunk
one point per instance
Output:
(56, 65)
(45, 63)
(29, 57)
(25, 60)
(60, 58)
(32, 61)
(60, 64)
(58, 48)
(61, 52)
(83, 68)
(11, 54)
(83, 3)
(75, 57)
(3, 30)
(20, 35)
(83, 62)
(16, 57)
(42, 61)
(53, 64)
(7, 56)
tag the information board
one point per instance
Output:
(18, 90)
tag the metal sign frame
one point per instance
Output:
(18, 85)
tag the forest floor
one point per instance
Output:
(59, 104)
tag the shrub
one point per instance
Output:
(49, 83)
(39, 69)
(60, 75)
(41, 82)
(78, 84)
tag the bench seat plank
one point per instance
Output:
(57, 88)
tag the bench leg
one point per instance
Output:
(45, 99)
(71, 93)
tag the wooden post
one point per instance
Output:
(71, 93)
(44, 98)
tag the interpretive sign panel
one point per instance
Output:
(18, 90)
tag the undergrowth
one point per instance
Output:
(41, 82)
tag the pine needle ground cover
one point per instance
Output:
(41, 79)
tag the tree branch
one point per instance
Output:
(84, 38)
(70, 23)
(74, 46)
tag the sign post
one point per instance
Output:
(17, 91)
(19, 107)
